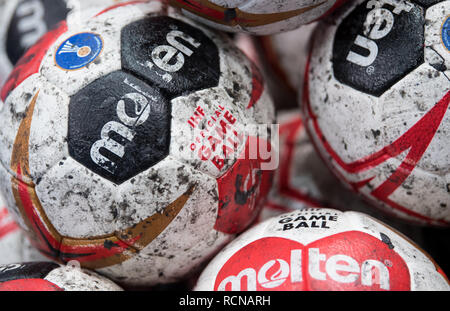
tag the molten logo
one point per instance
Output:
(126, 129)
(170, 58)
(346, 261)
(31, 22)
(378, 24)
(376, 36)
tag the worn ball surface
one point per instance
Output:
(303, 181)
(322, 250)
(23, 22)
(258, 17)
(376, 104)
(47, 276)
(128, 159)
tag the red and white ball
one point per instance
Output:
(286, 54)
(125, 140)
(376, 104)
(303, 180)
(47, 276)
(23, 22)
(258, 17)
(318, 250)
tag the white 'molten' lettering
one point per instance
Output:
(31, 22)
(142, 110)
(379, 22)
(10, 267)
(170, 58)
(235, 281)
(277, 278)
(381, 274)
(315, 257)
(368, 45)
(339, 268)
(124, 129)
(342, 263)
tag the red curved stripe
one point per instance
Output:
(118, 6)
(257, 86)
(27, 285)
(416, 140)
(293, 129)
(30, 63)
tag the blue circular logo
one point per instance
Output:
(446, 33)
(79, 51)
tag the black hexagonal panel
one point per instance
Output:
(31, 20)
(31, 270)
(372, 60)
(170, 54)
(119, 126)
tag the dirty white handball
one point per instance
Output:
(287, 53)
(123, 141)
(47, 276)
(259, 17)
(23, 22)
(322, 250)
(303, 180)
(282, 58)
(376, 104)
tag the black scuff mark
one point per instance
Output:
(385, 239)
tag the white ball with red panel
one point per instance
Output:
(23, 22)
(377, 107)
(47, 276)
(303, 180)
(258, 17)
(159, 222)
(322, 249)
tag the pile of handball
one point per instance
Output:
(218, 145)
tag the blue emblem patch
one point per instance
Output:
(79, 51)
(446, 33)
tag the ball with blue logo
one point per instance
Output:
(79, 51)
(446, 33)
